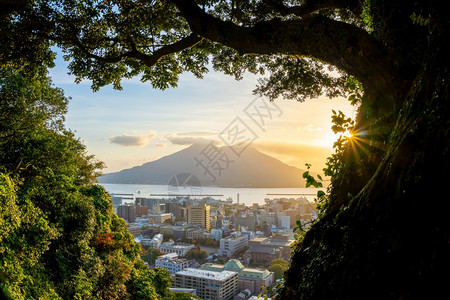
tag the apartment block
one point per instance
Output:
(171, 262)
(209, 284)
(200, 215)
(127, 212)
(233, 244)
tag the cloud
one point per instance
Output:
(198, 133)
(309, 128)
(161, 145)
(132, 140)
(188, 140)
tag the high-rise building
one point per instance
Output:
(199, 215)
(154, 205)
(127, 212)
(141, 210)
(209, 284)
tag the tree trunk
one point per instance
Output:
(391, 239)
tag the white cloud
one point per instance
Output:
(132, 140)
(185, 139)
(198, 133)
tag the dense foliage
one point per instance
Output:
(59, 236)
(383, 231)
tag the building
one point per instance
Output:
(179, 212)
(248, 278)
(233, 244)
(135, 229)
(216, 234)
(119, 199)
(154, 242)
(141, 210)
(268, 218)
(199, 215)
(284, 222)
(246, 220)
(127, 212)
(194, 233)
(249, 234)
(179, 248)
(209, 284)
(283, 242)
(171, 262)
(154, 205)
(262, 255)
(159, 218)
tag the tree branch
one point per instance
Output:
(345, 46)
(148, 60)
(311, 6)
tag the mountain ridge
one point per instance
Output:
(252, 169)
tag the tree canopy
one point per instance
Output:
(389, 57)
(59, 236)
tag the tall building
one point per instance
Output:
(209, 284)
(154, 205)
(200, 215)
(141, 210)
(127, 212)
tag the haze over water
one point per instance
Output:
(247, 196)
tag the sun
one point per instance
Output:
(347, 134)
(333, 137)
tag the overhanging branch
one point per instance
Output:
(311, 6)
(343, 45)
(148, 60)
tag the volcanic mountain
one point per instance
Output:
(213, 166)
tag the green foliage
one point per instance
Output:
(354, 89)
(199, 255)
(149, 255)
(310, 180)
(419, 19)
(299, 78)
(59, 236)
(278, 267)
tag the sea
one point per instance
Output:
(247, 196)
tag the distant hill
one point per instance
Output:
(252, 169)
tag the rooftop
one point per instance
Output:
(263, 250)
(207, 274)
(233, 265)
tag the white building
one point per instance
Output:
(285, 222)
(235, 243)
(216, 234)
(171, 262)
(155, 242)
(180, 248)
(209, 284)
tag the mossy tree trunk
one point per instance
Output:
(386, 232)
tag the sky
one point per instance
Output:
(140, 124)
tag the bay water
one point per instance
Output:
(247, 196)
